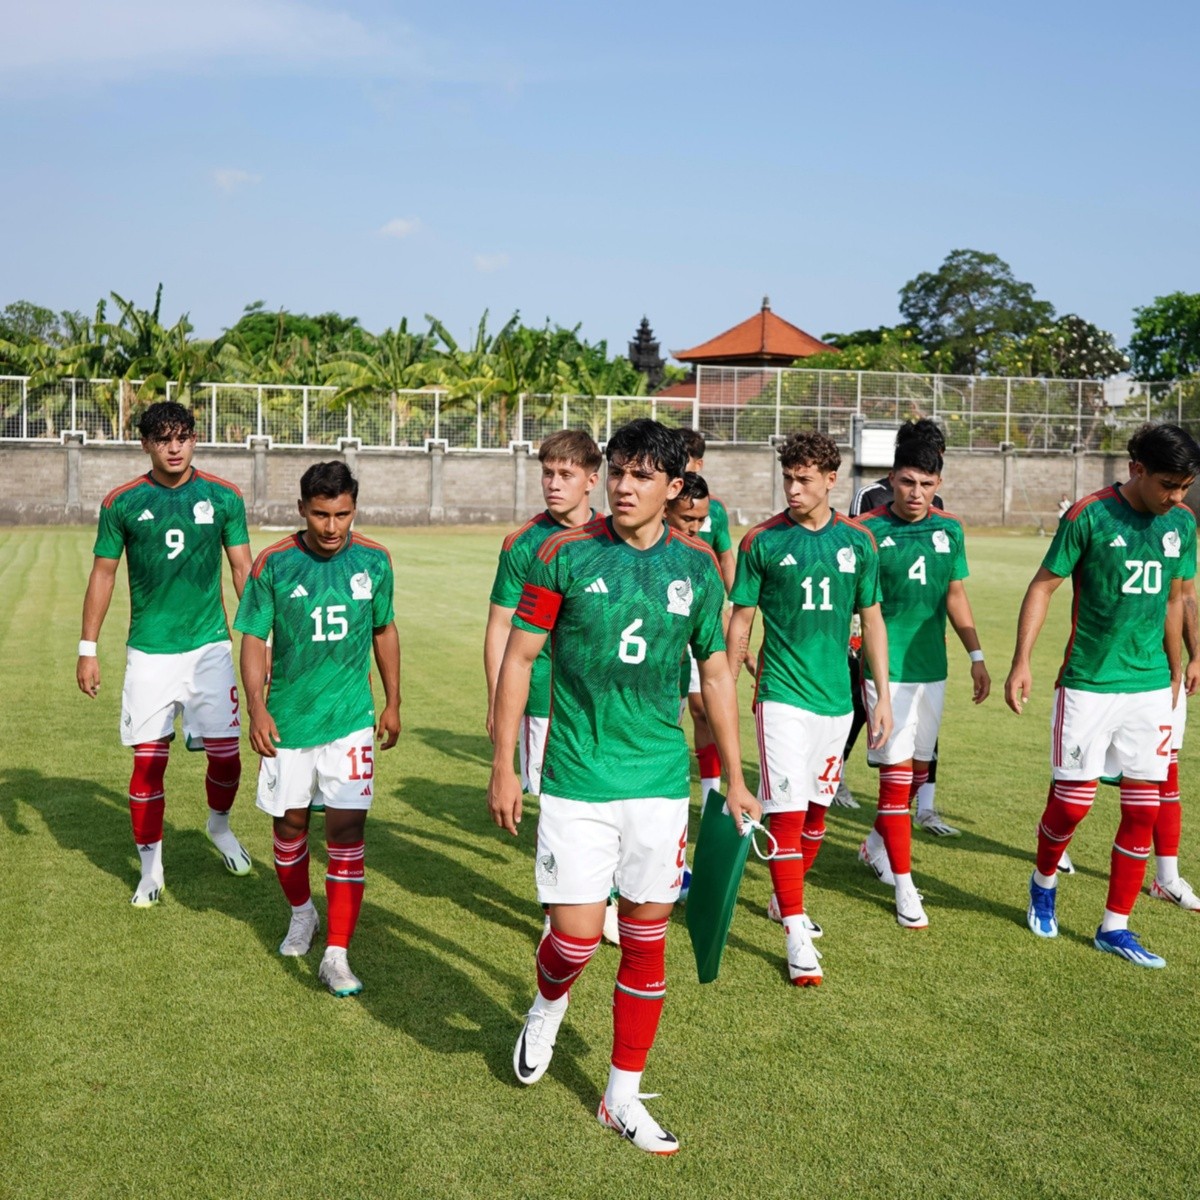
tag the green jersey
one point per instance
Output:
(619, 620)
(1121, 564)
(807, 583)
(918, 560)
(323, 613)
(516, 556)
(715, 528)
(173, 539)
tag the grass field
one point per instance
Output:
(172, 1052)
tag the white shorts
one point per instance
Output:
(1103, 734)
(341, 773)
(800, 754)
(584, 847)
(916, 719)
(532, 749)
(199, 684)
(1179, 720)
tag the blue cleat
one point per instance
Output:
(1124, 942)
(687, 883)
(1041, 916)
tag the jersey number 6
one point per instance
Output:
(632, 648)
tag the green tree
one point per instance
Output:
(969, 307)
(882, 349)
(1166, 337)
(1070, 348)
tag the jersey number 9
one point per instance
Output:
(174, 543)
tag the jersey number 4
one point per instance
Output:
(331, 625)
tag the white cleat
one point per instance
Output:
(232, 852)
(931, 821)
(535, 1046)
(844, 797)
(878, 862)
(773, 914)
(803, 958)
(909, 912)
(636, 1125)
(612, 929)
(148, 894)
(1178, 892)
(301, 930)
(1065, 865)
(334, 972)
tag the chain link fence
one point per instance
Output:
(741, 405)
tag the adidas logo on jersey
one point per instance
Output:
(887, 541)
(299, 593)
(788, 560)
(147, 515)
(599, 587)
(1117, 541)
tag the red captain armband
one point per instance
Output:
(539, 606)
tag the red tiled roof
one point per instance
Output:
(763, 336)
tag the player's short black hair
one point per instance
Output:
(923, 429)
(328, 480)
(1165, 449)
(921, 454)
(165, 418)
(695, 487)
(646, 441)
(693, 441)
(810, 449)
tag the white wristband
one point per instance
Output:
(975, 655)
(87, 649)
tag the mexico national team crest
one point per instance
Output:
(1171, 544)
(679, 597)
(846, 560)
(360, 586)
(941, 542)
(202, 512)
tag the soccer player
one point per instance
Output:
(808, 569)
(172, 523)
(1128, 549)
(325, 596)
(620, 599)
(714, 530)
(570, 462)
(922, 565)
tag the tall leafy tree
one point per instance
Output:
(1166, 337)
(1069, 348)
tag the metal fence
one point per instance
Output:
(745, 405)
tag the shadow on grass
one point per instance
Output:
(465, 747)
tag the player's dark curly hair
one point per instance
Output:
(810, 449)
(165, 419)
(328, 480)
(919, 445)
(646, 441)
(694, 442)
(923, 429)
(1165, 449)
(695, 487)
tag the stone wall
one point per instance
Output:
(48, 483)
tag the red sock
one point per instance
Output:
(787, 866)
(813, 834)
(1066, 805)
(560, 961)
(892, 821)
(1131, 847)
(146, 802)
(640, 991)
(919, 780)
(224, 772)
(709, 760)
(1168, 826)
(291, 865)
(344, 882)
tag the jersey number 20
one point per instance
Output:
(1145, 578)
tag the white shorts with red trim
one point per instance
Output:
(800, 756)
(198, 685)
(1102, 734)
(532, 749)
(916, 719)
(1179, 720)
(342, 773)
(584, 846)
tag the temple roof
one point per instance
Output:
(761, 340)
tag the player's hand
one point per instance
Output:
(740, 801)
(504, 799)
(880, 726)
(982, 681)
(263, 734)
(388, 731)
(1191, 677)
(87, 675)
(1017, 687)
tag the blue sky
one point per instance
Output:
(593, 162)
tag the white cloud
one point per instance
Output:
(401, 227)
(229, 179)
(487, 263)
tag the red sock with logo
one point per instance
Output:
(1168, 826)
(560, 961)
(291, 866)
(708, 758)
(892, 822)
(224, 772)
(640, 991)
(1067, 804)
(1131, 846)
(920, 777)
(787, 866)
(813, 834)
(344, 882)
(146, 799)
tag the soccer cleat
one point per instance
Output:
(232, 852)
(803, 958)
(1179, 892)
(636, 1125)
(844, 797)
(878, 862)
(535, 1046)
(1065, 865)
(686, 886)
(773, 914)
(1124, 943)
(301, 930)
(910, 914)
(612, 929)
(1041, 916)
(931, 822)
(334, 972)
(148, 894)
